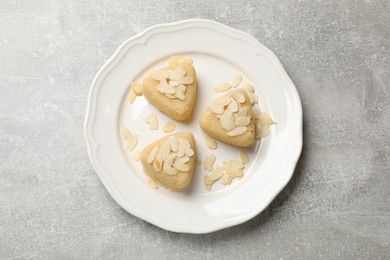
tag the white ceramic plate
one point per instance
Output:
(218, 52)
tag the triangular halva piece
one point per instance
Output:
(170, 160)
(172, 89)
(230, 119)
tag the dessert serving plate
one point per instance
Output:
(218, 52)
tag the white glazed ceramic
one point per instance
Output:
(218, 52)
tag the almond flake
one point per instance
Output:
(256, 112)
(157, 163)
(166, 89)
(265, 119)
(181, 151)
(186, 80)
(152, 183)
(172, 140)
(217, 108)
(132, 96)
(217, 173)
(208, 162)
(238, 173)
(174, 75)
(137, 88)
(182, 167)
(163, 150)
(238, 131)
(238, 97)
(244, 157)
(180, 95)
(258, 131)
(225, 179)
(189, 151)
(265, 131)
(207, 180)
(152, 154)
(251, 97)
(233, 106)
(236, 80)
(168, 162)
(183, 142)
(150, 118)
(242, 121)
(211, 143)
(181, 70)
(222, 87)
(136, 155)
(169, 127)
(233, 164)
(160, 75)
(248, 87)
(154, 125)
(171, 171)
(170, 96)
(184, 159)
(181, 88)
(224, 101)
(207, 186)
(174, 83)
(242, 112)
(227, 122)
(131, 143)
(125, 132)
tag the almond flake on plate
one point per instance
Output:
(222, 87)
(225, 179)
(152, 183)
(244, 157)
(136, 155)
(131, 143)
(137, 88)
(132, 96)
(236, 80)
(217, 173)
(169, 127)
(125, 132)
(211, 143)
(208, 162)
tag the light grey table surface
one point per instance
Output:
(337, 205)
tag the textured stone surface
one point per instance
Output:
(337, 206)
